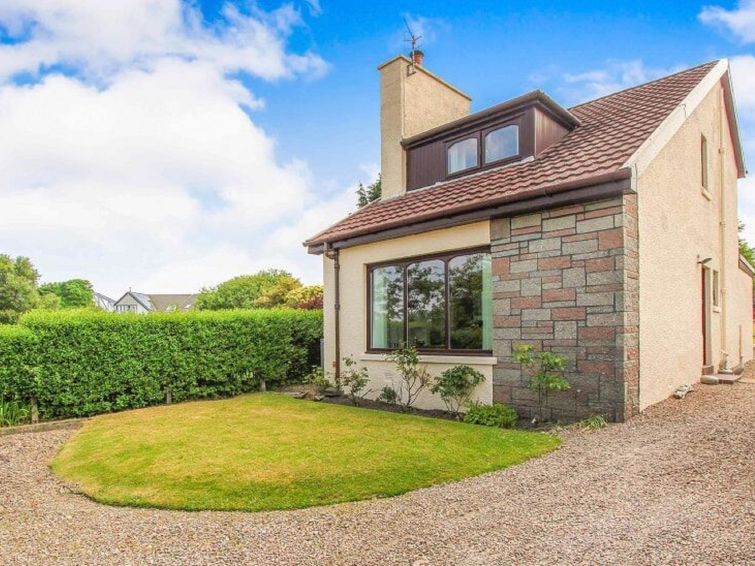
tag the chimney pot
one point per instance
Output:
(417, 57)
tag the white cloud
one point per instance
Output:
(142, 168)
(743, 75)
(98, 37)
(739, 21)
(615, 76)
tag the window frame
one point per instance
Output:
(705, 167)
(445, 257)
(447, 146)
(479, 134)
(515, 157)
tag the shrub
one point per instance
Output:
(592, 423)
(549, 372)
(88, 362)
(354, 380)
(388, 395)
(305, 297)
(317, 377)
(13, 413)
(497, 414)
(414, 377)
(455, 387)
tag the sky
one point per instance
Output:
(168, 145)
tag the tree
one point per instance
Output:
(549, 372)
(414, 376)
(74, 293)
(745, 250)
(369, 194)
(306, 298)
(18, 287)
(267, 288)
(276, 295)
(455, 386)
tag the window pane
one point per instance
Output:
(387, 307)
(426, 304)
(471, 302)
(501, 143)
(462, 155)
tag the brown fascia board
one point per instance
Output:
(564, 194)
(536, 97)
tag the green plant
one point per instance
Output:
(317, 377)
(266, 288)
(414, 377)
(310, 297)
(497, 414)
(367, 195)
(456, 385)
(388, 395)
(592, 423)
(18, 287)
(78, 363)
(74, 293)
(13, 413)
(549, 372)
(355, 380)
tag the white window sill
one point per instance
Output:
(439, 359)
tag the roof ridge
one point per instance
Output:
(663, 78)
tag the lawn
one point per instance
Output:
(266, 451)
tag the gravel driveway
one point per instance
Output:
(676, 485)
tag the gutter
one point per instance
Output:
(563, 194)
(333, 254)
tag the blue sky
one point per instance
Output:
(165, 145)
(491, 50)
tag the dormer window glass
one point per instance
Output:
(501, 143)
(462, 155)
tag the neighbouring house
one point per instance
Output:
(606, 232)
(104, 302)
(141, 303)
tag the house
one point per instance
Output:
(103, 302)
(141, 303)
(606, 232)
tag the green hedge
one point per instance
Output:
(79, 363)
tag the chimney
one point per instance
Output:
(412, 100)
(417, 56)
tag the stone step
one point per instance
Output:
(728, 378)
(720, 378)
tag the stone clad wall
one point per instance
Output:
(566, 280)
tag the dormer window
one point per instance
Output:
(501, 143)
(502, 135)
(462, 155)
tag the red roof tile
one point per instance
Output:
(613, 128)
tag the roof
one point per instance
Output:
(165, 302)
(566, 118)
(162, 302)
(612, 130)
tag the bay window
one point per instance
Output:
(436, 303)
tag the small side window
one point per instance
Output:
(501, 144)
(704, 162)
(462, 155)
(716, 290)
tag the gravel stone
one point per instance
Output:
(673, 486)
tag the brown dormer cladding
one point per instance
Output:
(541, 122)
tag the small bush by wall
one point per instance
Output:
(77, 363)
